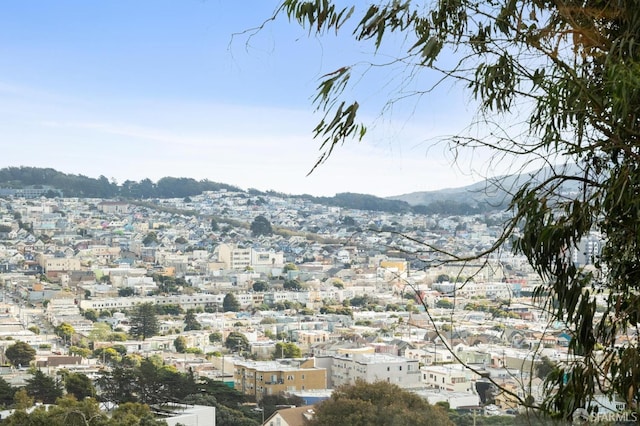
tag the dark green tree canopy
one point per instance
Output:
(180, 343)
(20, 354)
(380, 403)
(79, 385)
(214, 337)
(230, 303)
(556, 84)
(261, 226)
(43, 388)
(237, 342)
(7, 393)
(260, 286)
(190, 321)
(144, 321)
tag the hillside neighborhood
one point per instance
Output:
(275, 295)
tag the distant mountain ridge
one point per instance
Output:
(492, 193)
(455, 201)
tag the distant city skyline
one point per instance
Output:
(148, 89)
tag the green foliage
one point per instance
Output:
(150, 382)
(91, 315)
(83, 352)
(444, 304)
(292, 285)
(99, 331)
(442, 278)
(230, 303)
(260, 286)
(169, 309)
(362, 202)
(180, 343)
(362, 301)
(377, 403)
(83, 186)
(287, 350)
(261, 226)
(134, 413)
(7, 393)
(144, 321)
(126, 292)
(568, 72)
(43, 388)
(190, 321)
(290, 267)
(270, 403)
(79, 385)
(118, 385)
(544, 367)
(65, 331)
(339, 310)
(150, 238)
(237, 342)
(20, 354)
(215, 337)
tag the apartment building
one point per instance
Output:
(453, 377)
(58, 264)
(258, 378)
(234, 257)
(371, 367)
(240, 259)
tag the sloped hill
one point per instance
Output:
(494, 193)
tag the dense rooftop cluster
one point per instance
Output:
(275, 295)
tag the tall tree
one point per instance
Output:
(190, 321)
(230, 303)
(144, 321)
(7, 393)
(79, 385)
(555, 82)
(20, 354)
(118, 385)
(261, 226)
(43, 388)
(65, 331)
(180, 343)
(237, 342)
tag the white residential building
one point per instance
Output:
(347, 368)
(452, 377)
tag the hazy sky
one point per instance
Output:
(152, 88)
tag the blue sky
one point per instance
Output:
(152, 88)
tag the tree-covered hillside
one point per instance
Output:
(83, 186)
(71, 185)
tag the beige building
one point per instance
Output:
(59, 264)
(113, 207)
(258, 378)
(296, 416)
